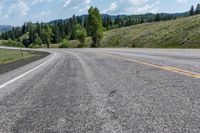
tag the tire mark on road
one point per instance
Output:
(95, 89)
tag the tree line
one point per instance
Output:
(80, 27)
(75, 28)
(194, 11)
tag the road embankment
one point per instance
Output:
(19, 63)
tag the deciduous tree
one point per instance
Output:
(95, 28)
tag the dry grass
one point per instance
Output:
(180, 33)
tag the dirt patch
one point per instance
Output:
(16, 64)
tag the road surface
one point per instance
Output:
(104, 90)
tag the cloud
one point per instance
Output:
(66, 3)
(181, 1)
(34, 2)
(19, 7)
(113, 6)
(132, 7)
(81, 10)
(87, 1)
(76, 3)
(43, 14)
(148, 8)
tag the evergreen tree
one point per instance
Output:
(191, 12)
(39, 28)
(24, 28)
(56, 36)
(157, 17)
(31, 35)
(197, 10)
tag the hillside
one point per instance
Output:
(4, 28)
(183, 32)
(145, 17)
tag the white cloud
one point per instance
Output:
(87, 1)
(34, 2)
(148, 8)
(132, 7)
(81, 10)
(76, 3)
(19, 7)
(43, 14)
(181, 1)
(66, 3)
(134, 2)
(113, 6)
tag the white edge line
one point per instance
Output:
(26, 73)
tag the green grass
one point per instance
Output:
(180, 33)
(7, 56)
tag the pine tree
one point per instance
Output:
(191, 12)
(157, 17)
(24, 28)
(197, 10)
(31, 35)
(56, 36)
(39, 29)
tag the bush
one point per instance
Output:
(79, 33)
(74, 44)
(33, 45)
(64, 44)
(12, 43)
(38, 41)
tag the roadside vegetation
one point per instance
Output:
(178, 30)
(180, 33)
(7, 56)
(74, 29)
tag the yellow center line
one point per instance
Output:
(166, 68)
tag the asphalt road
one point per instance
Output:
(104, 90)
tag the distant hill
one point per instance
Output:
(4, 28)
(113, 17)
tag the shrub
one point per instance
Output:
(79, 33)
(74, 44)
(33, 45)
(64, 44)
(12, 43)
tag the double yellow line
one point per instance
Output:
(166, 68)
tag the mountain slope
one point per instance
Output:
(4, 28)
(113, 17)
(183, 32)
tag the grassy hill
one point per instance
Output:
(179, 33)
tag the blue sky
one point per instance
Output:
(15, 12)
